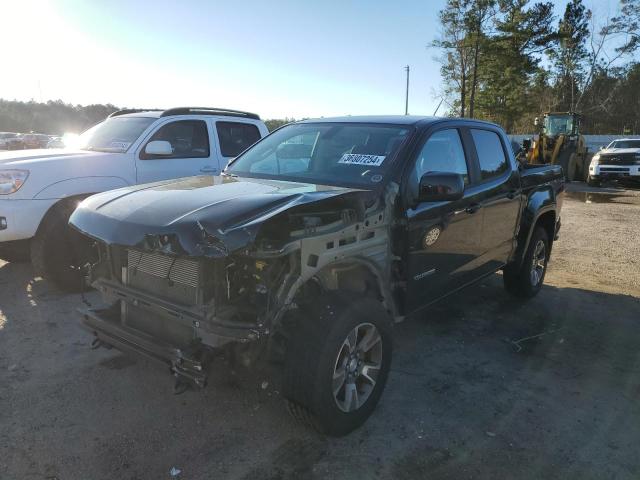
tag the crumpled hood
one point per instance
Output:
(26, 158)
(196, 215)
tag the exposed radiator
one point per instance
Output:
(170, 277)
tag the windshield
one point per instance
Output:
(328, 153)
(114, 134)
(558, 125)
(624, 144)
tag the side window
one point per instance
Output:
(236, 137)
(188, 139)
(443, 152)
(493, 161)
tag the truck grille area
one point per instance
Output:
(173, 278)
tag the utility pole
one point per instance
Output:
(406, 98)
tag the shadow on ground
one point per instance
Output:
(481, 387)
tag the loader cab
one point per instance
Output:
(556, 124)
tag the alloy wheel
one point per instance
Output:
(538, 263)
(357, 367)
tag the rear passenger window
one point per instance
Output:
(236, 137)
(493, 161)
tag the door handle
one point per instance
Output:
(473, 208)
(208, 169)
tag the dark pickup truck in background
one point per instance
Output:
(311, 244)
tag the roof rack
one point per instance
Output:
(124, 111)
(208, 111)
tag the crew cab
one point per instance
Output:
(310, 246)
(620, 160)
(40, 188)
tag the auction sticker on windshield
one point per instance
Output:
(362, 159)
(121, 145)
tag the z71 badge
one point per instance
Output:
(431, 237)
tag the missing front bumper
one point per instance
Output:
(188, 363)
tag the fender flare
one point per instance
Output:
(524, 237)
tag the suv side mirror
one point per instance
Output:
(158, 147)
(440, 186)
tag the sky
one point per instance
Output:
(279, 59)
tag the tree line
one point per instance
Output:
(508, 61)
(52, 117)
(56, 117)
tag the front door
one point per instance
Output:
(192, 153)
(444, 238)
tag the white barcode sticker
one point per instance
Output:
(362, 159)
(120, 145)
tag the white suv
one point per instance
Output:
(39, 189)
(620, 160)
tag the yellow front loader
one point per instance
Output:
(559, 142)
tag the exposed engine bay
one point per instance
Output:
(173, 304)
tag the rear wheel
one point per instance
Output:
(568, 160)
(58, 252)
(337, 363)
(526, 281)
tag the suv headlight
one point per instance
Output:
(595, 160)
(12, 180)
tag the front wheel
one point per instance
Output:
(593, 182)
(526, 281)
(59, 253)
(337, 363)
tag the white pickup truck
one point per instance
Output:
(39, 189)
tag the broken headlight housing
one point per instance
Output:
(12, 180)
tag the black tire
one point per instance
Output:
(520, 282)
(58, 252)
(564, 159)
(15, 251)
(593, 182)
(314, 350)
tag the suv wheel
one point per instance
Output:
(337, 363)
(15, 251)
(593, 182)
(528, 279)
(58, 252)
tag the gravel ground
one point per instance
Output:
(481, 387)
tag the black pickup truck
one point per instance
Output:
(311, 245)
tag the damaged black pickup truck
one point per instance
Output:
(311, 245)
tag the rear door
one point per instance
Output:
(501, 196)
(190, 141)
(444, 239)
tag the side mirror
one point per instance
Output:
(158, 147)
(602, 147)
(440, 186)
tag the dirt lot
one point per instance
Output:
(471, 393)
